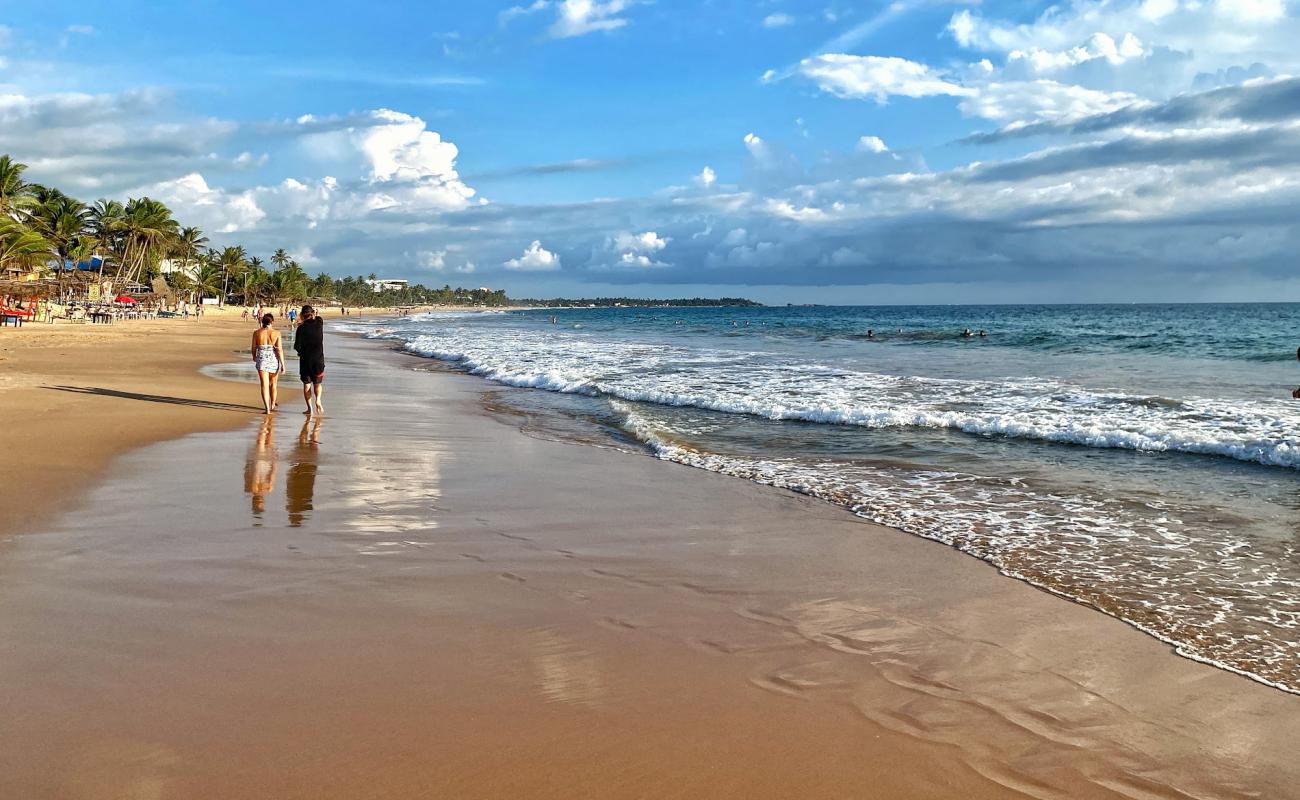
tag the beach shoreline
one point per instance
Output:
(703, 647)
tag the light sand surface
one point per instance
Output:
(74, 396)
(412, 599)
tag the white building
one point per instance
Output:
(386, 285)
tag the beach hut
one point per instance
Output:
(26, 299)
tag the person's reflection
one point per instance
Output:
(301, 481)
(259, 471)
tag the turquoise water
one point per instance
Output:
(1141, 459)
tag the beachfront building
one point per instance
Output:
(387, 284)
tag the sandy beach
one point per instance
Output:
(413, 598)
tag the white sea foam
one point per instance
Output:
(781, 388)
(1214, 596)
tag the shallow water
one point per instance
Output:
(1141, 459)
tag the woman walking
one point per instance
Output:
(268, 358)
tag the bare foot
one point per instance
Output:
(320, 409)
(307, 412)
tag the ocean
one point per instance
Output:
(1141, 459)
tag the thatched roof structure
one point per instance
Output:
(28, 289)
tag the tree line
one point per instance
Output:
(43, 228)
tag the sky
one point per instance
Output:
(913, 151)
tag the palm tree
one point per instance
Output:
(14, 196)
(148, 232)
(280, 258)
(256, 282)
(232, 260)
(210, 281)
(21, 246)
(188, 244)
(61, 220)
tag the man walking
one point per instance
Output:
(309, 343)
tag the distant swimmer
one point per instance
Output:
(966, 334)
(871, 334)
(982, 333)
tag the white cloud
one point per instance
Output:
(1180, 37)
(648, 242)
(193, 200)
(777, 20)
(707, 177)
(534, 259)
(1251, 12)
(406, 165)
(872, 144)
(876, 77)
(1035, 101)
(435, 260)
(521, 11)
(581, 17)
(634, 260)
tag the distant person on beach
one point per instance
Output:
(309, 343)
(268, 357)
(292, 316)
(1296, 393)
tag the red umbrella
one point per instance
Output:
(124, 299)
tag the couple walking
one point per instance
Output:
(268, 358)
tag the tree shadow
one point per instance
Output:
(156, 398)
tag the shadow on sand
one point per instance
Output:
(156, 398)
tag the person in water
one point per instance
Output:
(268, 358)
(966, 334)
(309, 343)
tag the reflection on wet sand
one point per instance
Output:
(300, 484)
(566, 673)
(261, 467)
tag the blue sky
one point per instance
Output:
(788, 151)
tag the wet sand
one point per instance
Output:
(413, 599)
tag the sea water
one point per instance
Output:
(1141, 459)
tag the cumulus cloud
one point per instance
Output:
(648, 242)
(872, 144)
(706, 178)
(190, 197)
(535, 258)
(876, 77)
(1177, 38)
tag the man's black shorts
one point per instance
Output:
(311, 370)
